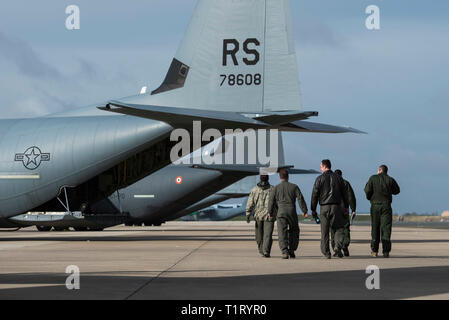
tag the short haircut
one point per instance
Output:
(383, 168)
(283, 174)
(327, 163)
(338, 171)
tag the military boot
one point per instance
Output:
(346, 252)
(338, 253)
(386, 254)
(292, 255)
(285, 256)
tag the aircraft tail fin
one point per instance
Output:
(236, 56)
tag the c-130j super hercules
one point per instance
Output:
(235, 68)
(171, 192)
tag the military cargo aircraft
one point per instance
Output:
(235, 68)
(168, 194)
(218, 212)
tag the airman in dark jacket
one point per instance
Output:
(329, 191)
(379, 190)
(352, 204)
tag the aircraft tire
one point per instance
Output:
(80, 229)
(43, 228)
(96, 229)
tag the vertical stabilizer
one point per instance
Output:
(237, 55)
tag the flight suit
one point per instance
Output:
(258, 201)
(346, 229)
(329, 191)
(379, 190)
(283, 197)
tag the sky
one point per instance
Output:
(392, 83)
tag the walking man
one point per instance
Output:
(258, 202)
(379, 190)
(346, 228)
(284, 197)
(329, 192)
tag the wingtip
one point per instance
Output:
(353, 130)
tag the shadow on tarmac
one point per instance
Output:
(170, 237)
(400, 283)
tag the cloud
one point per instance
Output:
(309, 33)
(30, 87)
(87, 69)
(25, 58)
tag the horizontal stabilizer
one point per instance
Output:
(228, 168)
(183, 117)
(252, 169)
(306, 126)
(280, 118)
(233, 195)
(302, 171)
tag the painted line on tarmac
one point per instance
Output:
(169, 268)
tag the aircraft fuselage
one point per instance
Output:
(41, 155)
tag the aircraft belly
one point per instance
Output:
(41, 155)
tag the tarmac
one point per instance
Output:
(217, 260)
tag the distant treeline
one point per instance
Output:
(414, 214)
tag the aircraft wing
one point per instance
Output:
(183, 117)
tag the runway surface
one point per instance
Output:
(216, 260)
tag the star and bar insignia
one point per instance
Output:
(32, 158)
